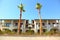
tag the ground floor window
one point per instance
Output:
(7, 24)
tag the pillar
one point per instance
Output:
(35, 28)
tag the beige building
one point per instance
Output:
(12, 24)
(47, 24)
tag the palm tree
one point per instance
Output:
(21, 10)
(38, 7)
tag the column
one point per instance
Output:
(12, 23)
(23, 27)
(47, 25)
(35, 28)
(11, 26)
(51, 26)
(59, 25)
(2, 24)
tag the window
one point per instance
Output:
(16, 24)
(53, 23)
(26, 26)
(49, 23)
(21, 24)
(38, 24)
(7, 24)
(33, 26)
(43, 24)
(26, 21)
(32, 21)
(57, 23)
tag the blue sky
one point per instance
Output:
(50, 9)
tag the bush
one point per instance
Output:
(51, 32)
(7, 31)
(44, 30)
(29, 32)
(54, 30)
(1, 32)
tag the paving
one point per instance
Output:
(30, 38)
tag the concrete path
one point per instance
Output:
(29, 38)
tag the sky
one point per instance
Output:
(50, 9)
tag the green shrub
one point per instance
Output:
(29, 32)
(54, 30)
(48, 33)
(1, 32)
(7, 31)
(51, 32)
(44, 30)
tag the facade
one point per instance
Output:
(47, 24)
(12, 24)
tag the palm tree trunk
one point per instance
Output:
(19, 22)
(40, 22)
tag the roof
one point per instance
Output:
(32, 20)
(11, 19)
(48, 19)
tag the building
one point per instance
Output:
(47, 24)
(12, 24)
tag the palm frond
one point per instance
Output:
(23, 10)
(38, 6)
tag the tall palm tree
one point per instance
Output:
(38, 7)
(21, 10)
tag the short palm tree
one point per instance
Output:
(21, 10)
(38, 7)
